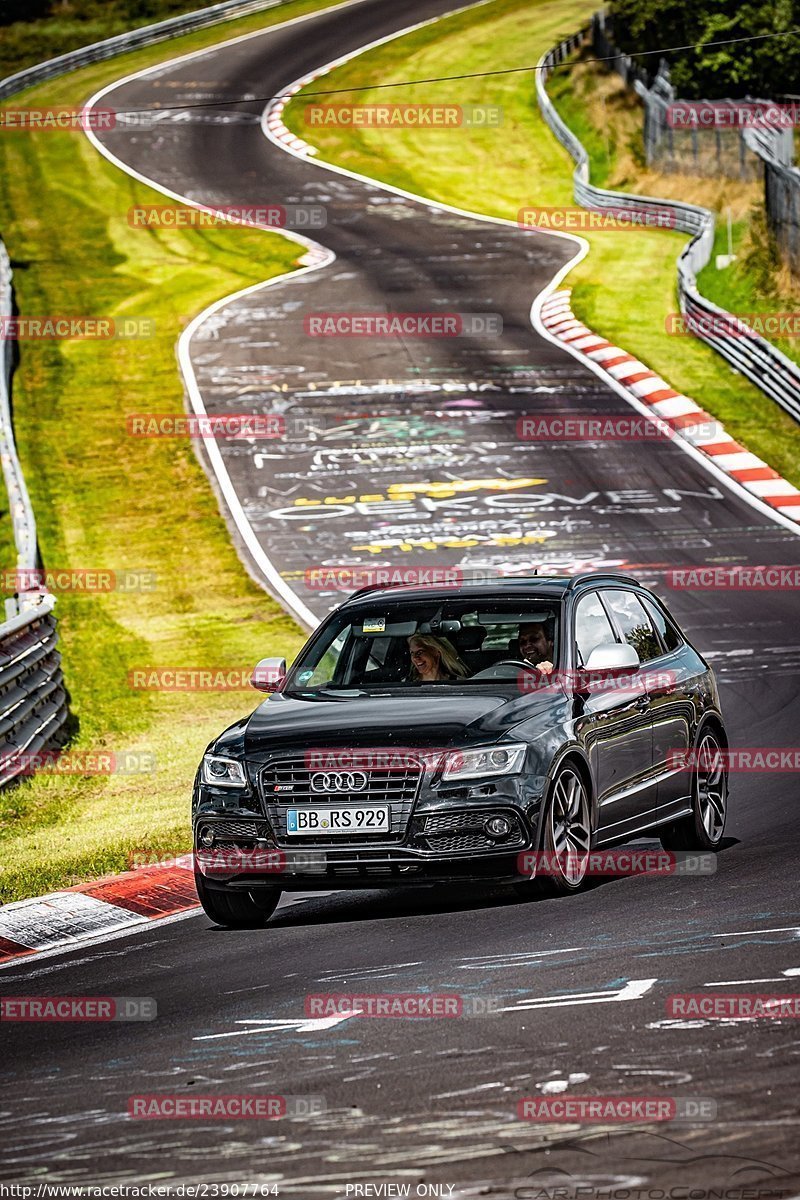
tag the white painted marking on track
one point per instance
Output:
(634, 989)
(46, 922)
(739, 982)
(554, 1087)
(319, 255)
(758, 932)
(283, 1025)
(27, 962)
(502, 958)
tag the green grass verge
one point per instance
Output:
(103, 499)
(756, 282)
(625, 288)
(67, 27)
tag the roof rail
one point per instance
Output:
(573, 581)
(589, 576)
(374, 587)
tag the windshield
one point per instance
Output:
(415, 644)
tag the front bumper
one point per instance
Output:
(442, 841)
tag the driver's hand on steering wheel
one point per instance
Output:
(545, 667)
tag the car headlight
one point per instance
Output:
(493, 760)
(223, 772)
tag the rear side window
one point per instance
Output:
(592, 626)
(669, 634)
(634, 623)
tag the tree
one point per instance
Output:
(765, 68)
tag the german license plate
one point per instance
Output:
(326, 820)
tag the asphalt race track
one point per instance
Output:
(581, 984)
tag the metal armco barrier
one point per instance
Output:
(33, 702)
(145, 36)
(761, 362)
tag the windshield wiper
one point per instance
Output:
(329, 691)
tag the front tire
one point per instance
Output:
(703, 828)
(237, 910)
(567, 836)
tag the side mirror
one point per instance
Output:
(269, 674)
(612, 656)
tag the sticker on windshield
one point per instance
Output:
(374, 625)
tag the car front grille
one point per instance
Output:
(286, 782)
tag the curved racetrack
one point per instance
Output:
(435, 1101)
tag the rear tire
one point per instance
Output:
(703, 828)
(237, 910)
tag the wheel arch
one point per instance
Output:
(571, 755)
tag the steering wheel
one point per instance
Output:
(491, 672)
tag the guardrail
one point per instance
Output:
(761, 362)
(33, 700)
(19, 502)
(144, 36)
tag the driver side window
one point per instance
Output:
(592, 627)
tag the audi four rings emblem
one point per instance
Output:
(338, 781)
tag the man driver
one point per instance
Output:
(536, 646)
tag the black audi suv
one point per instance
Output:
(465, 733)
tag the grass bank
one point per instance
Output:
(625, 288)
(104, 499)
(47, 30)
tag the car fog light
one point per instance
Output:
(497, 827)
(206, 837)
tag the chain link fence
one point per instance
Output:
(727, 148)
